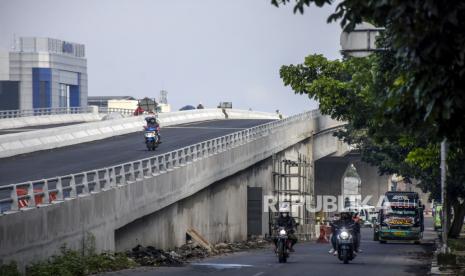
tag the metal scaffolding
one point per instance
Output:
(293, 184)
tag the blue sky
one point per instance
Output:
(199, 51)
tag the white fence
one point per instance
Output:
(8, 114)
(32, 194)
(4, 114)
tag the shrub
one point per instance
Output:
(10, 269)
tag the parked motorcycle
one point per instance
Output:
(151, 138)
(345, 245)
(282, 244)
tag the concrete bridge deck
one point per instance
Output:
(111, 151)
(153, 198)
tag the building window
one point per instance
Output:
(43, 94)
(9, 95)
(63, 96)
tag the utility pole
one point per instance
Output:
(445, 229)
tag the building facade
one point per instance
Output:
(103, 101)
(43, 73)
(123, 102)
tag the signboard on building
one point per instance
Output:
(68, 47)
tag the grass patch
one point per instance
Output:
(71, 262)
(80, 262)
(10, 269)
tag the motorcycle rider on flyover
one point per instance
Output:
(288, 222)
(346, 221)
(153, 122)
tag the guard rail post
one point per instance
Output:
(14, 206)
(72, 186)
(97, 188)
(59, 191)
(45, 193)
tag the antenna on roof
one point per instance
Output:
(163, 99)
(13, 46)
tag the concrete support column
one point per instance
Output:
(328, 176)
(372, 183)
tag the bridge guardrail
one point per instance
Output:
(5, 114)
(32, 194)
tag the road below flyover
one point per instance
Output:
(112, 151)
(393, 258)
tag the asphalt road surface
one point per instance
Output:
(112, 151)
(31, 128)
(391, 259)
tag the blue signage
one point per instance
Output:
(68, 48)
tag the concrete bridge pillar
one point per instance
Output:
(373, 184)
(328, 175)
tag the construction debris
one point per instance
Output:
(151, 256)
(223, 248)
(200, 239)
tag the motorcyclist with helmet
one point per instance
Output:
(345, 221)
(153, 122)
(285, 220)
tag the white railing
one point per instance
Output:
(4, 114)
(31, 194)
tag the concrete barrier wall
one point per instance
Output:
(218, 212)
(48, 120)
(244, 114)
(35, 234)
(20, 143)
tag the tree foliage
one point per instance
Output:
(352, 90)
(347, 90)
(427, 41)
(401, 102)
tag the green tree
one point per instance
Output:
(414, 96)
(426, 39)
(352, 90)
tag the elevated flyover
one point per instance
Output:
(53, 138)
(112, 151)
(129, 196)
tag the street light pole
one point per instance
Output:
(445, 229)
